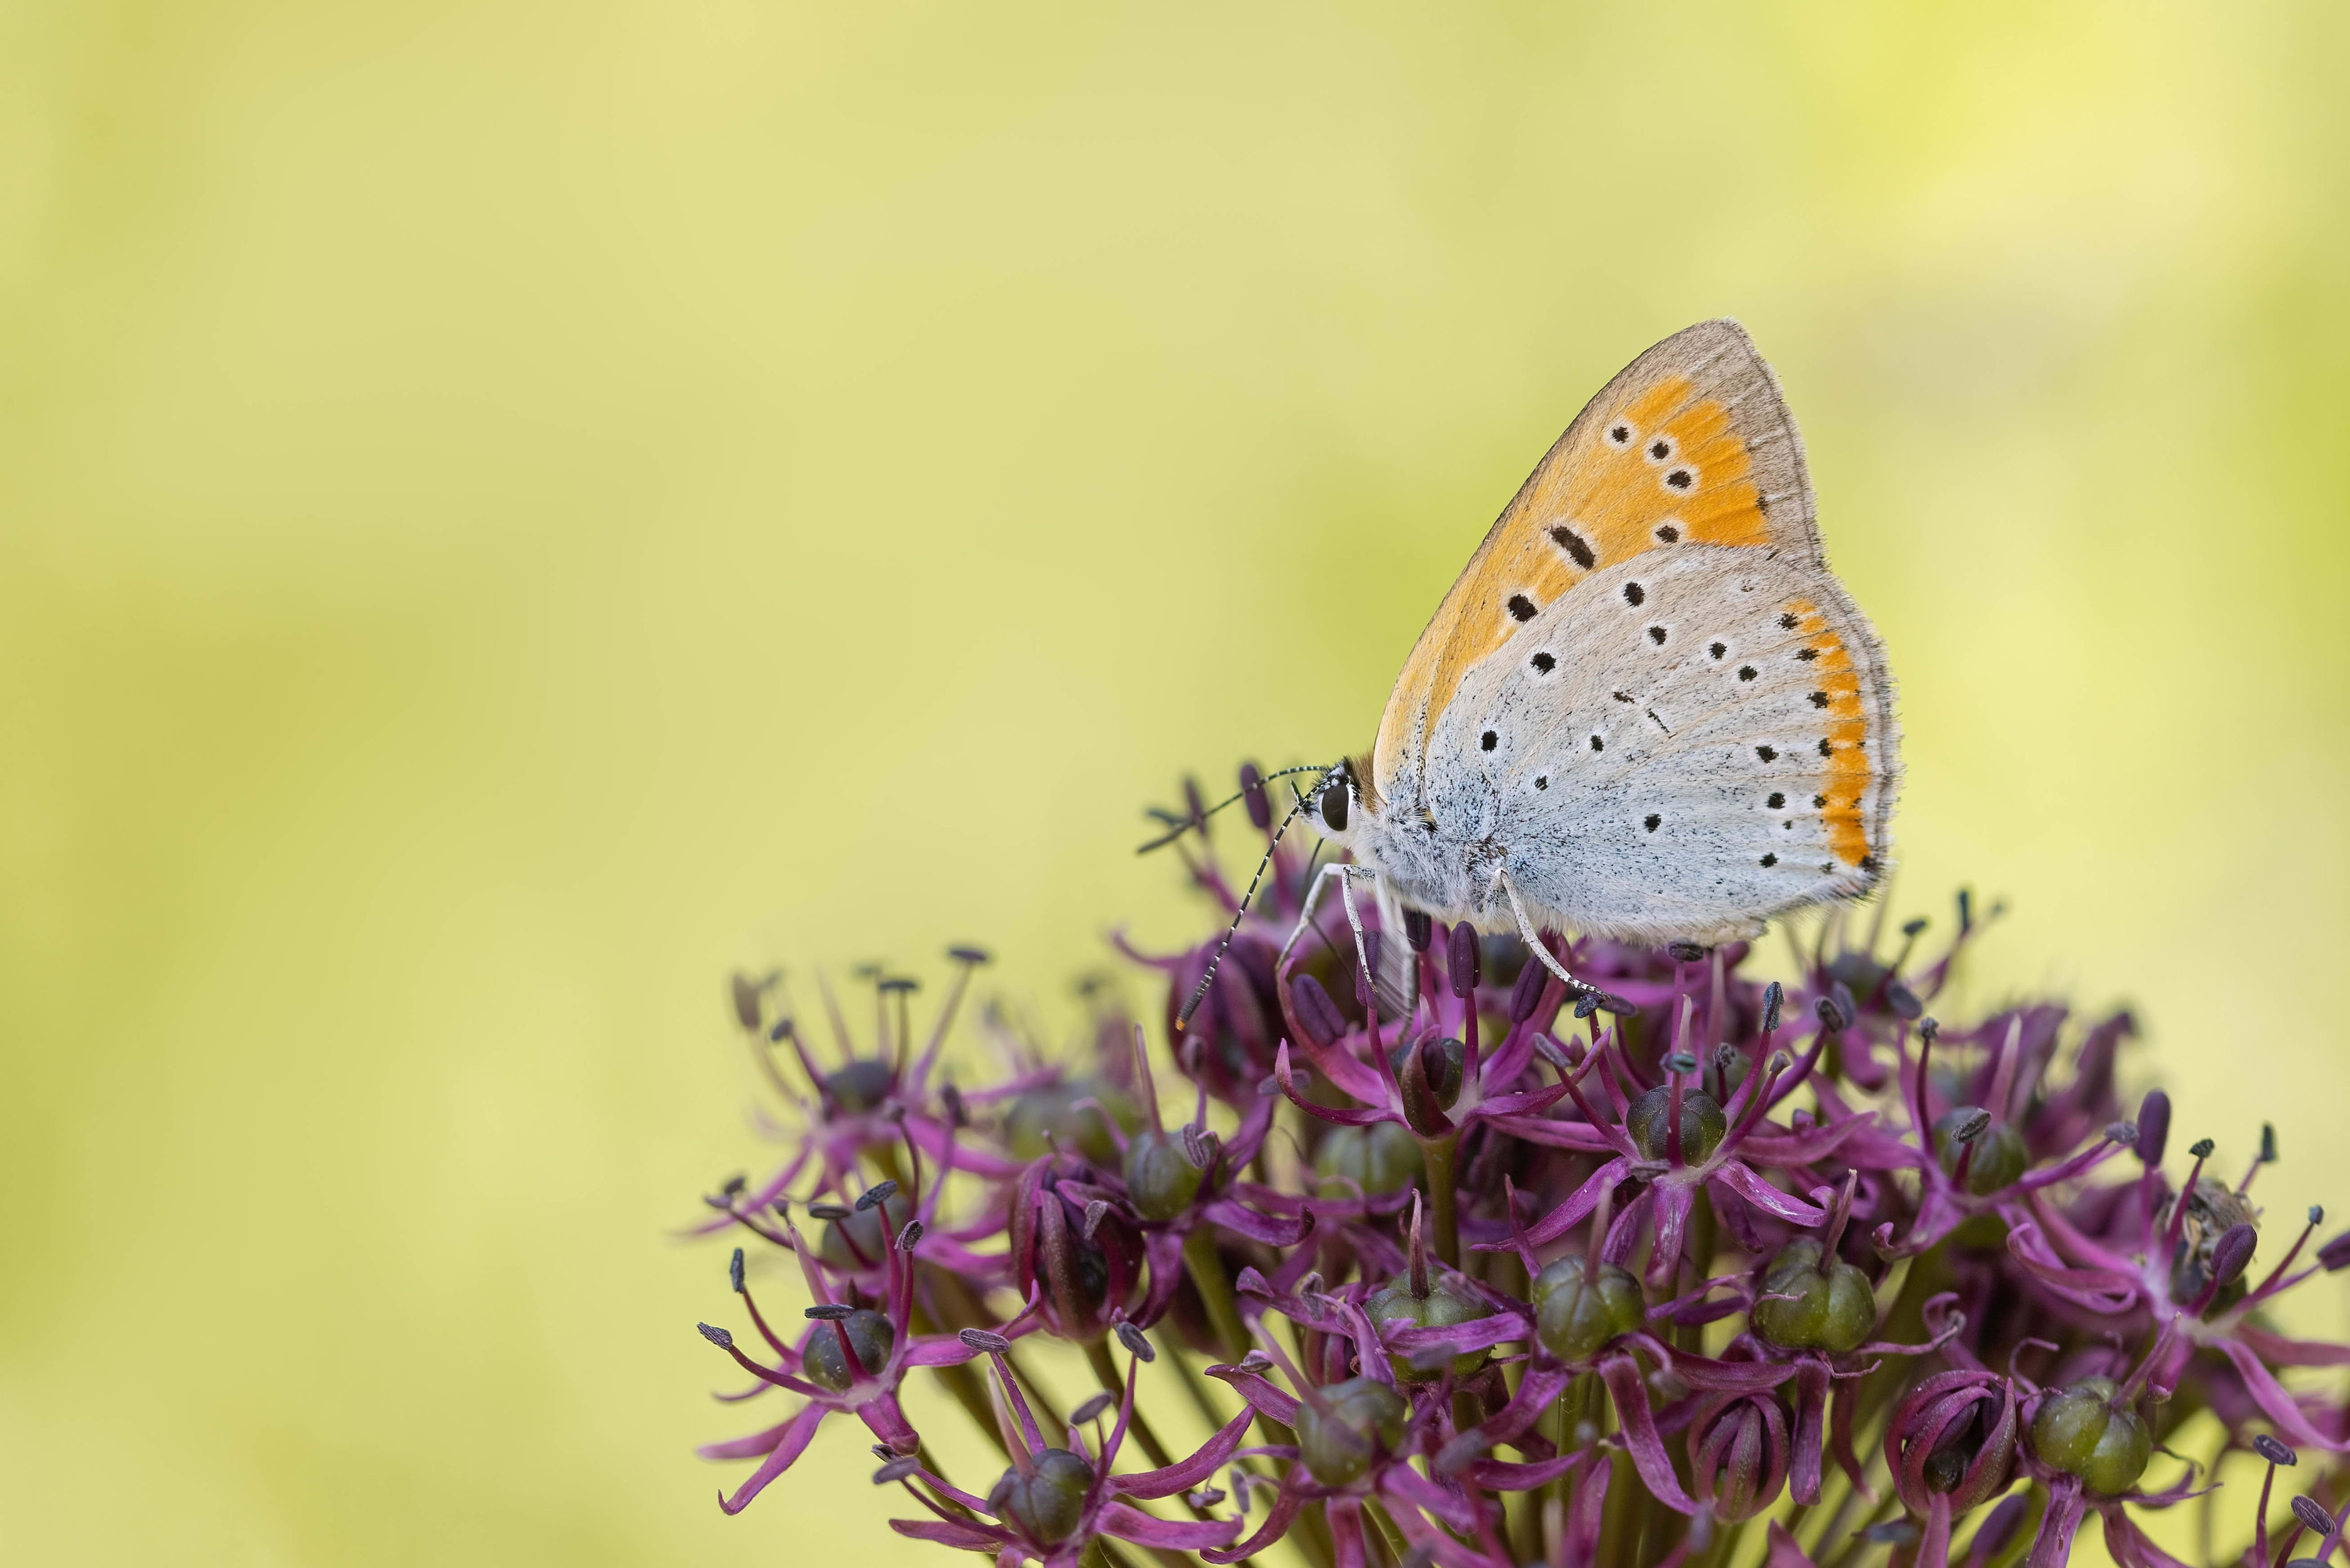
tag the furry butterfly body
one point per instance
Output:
(1645, 710)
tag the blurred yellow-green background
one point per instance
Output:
(507, 511)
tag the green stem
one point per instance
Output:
(1215, 1288)
(1438, 1155)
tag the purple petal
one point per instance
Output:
(2278, 1351)
(1579, 1135)
(1276, 1525)
(1187, 1535)
(1185, 1474)
(1781, 1551)
(1243, 1222)
(1571, 1213)
(1740, 1179)
(1477, 1334)
(794, 1443)
(961, 1537)
(2274, 1402)
(1262, 1396)
(1626, 1387)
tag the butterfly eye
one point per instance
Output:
(1334, 807)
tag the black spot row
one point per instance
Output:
(1522, 609)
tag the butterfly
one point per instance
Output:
(1647, 709)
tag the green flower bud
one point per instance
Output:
(1049, 1501)
(1702, 1124)
(1834, 1309)
(2085, 1430)
(861, 1239)
(1160, 1180)
(1441, 1308)
(823, 1362)
(1366, 1416)
(2000, 1158)
(1382, 1157)
(1050, 1113)
(1575, 1315)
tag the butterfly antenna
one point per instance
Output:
(1199, 992)
(1179, 828)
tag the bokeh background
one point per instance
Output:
(507, 511)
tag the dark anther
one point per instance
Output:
(2268, 1143)
(980, 1340)
(1316, 1013)
(734, 1270)
(1831, 1018)
(827, 1311)
(1260, 809)
(746, 1000)
(2122, 1133)
(734, 1185)
(1914, 928)
(1254, 1361)
(1199, 1146)
(1970, 1124)
(2311, 1513)
(1095, 1213)
(1931, 1029)
(958, 1114)
(1587, 1004)
(1091, 1410)
(1773, 995)
(1903, 1000)
(1131, 1337)
(718, 1202)
(968, 955)
(2276, 1453)
(2232, 1252)
(911, 1237)
(1461, 964)
(2317, 1214)
(881, 1192)
(2153, 1127)
(2202, 1149)
(2335, 1255)
(1685, 952)
(1526, 994)
(827, 1212)
(1680, 1062)
(897, 1469)
(1614, 1005)
(899, 984)
(1894, 1532)
(781, 1031)
(1418, 930)
(717, 1336)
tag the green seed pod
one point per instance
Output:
(1575, 1316)
(862, 1239)
(1366, 1416)
(1441, 1308)
(1834, 1309)
(824, 1365)
(1049, 1501)
(2000, 1157)
(2085, 1430)
(1382, 1157)
(861, 1086)
(1050, 1113)
(1160, 1180)
(1702, 1124)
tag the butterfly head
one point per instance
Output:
(1336, 807)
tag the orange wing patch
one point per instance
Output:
(1668, 466)
(1850, 772)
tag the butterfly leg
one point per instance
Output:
(1533, 938)
(1305, 914)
